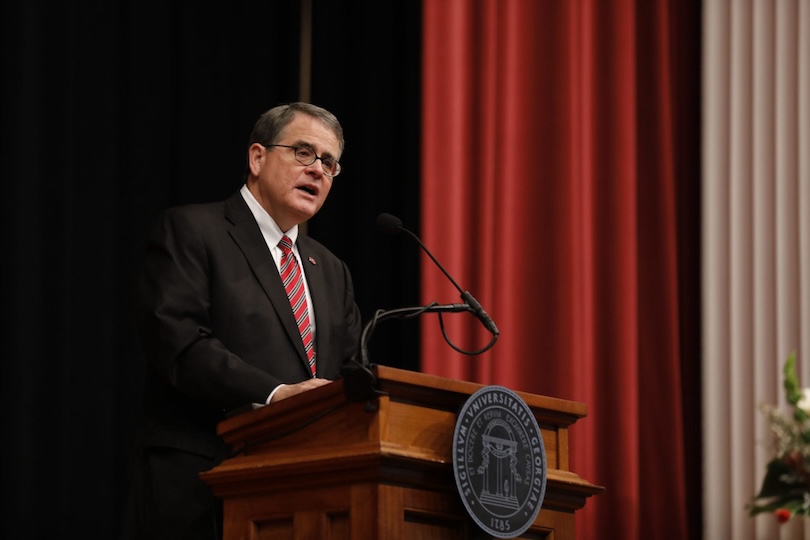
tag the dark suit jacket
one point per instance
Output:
(219, 334)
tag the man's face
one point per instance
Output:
(290, 192)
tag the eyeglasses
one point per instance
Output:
(305, 155)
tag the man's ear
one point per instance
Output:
(256, 155)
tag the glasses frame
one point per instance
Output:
(338, 168)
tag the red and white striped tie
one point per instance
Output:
(294, 284)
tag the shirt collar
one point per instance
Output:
(267, 225)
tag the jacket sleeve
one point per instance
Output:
(175, 321)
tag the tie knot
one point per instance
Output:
(285, 244)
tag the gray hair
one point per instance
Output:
(270, 124)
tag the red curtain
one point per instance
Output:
(549, 192)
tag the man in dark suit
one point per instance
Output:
(217, 325)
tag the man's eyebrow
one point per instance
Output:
(309, 145)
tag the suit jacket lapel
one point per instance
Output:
(245, 232)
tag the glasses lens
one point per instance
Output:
(330, 166)
(305, 155)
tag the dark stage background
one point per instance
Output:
(114, 110)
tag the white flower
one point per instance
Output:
(804, 402)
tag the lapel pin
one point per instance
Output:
(312, 261)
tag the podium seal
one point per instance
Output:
(499, 461)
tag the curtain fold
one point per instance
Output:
(755, 263)
(549, 190)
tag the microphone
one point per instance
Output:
(359, 382)
(389, 224)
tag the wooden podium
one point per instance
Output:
(321, 466)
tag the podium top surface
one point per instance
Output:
(429, 391)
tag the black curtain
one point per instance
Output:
(114, 110)
(369, 76)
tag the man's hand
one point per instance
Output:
(287, 390)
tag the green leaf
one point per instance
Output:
(774, 485)
(794, 503)
(791, 383)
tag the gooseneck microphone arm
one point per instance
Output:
(402, 313)
(391, 225)
(360, 383)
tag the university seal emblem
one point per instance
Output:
(499, 461)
